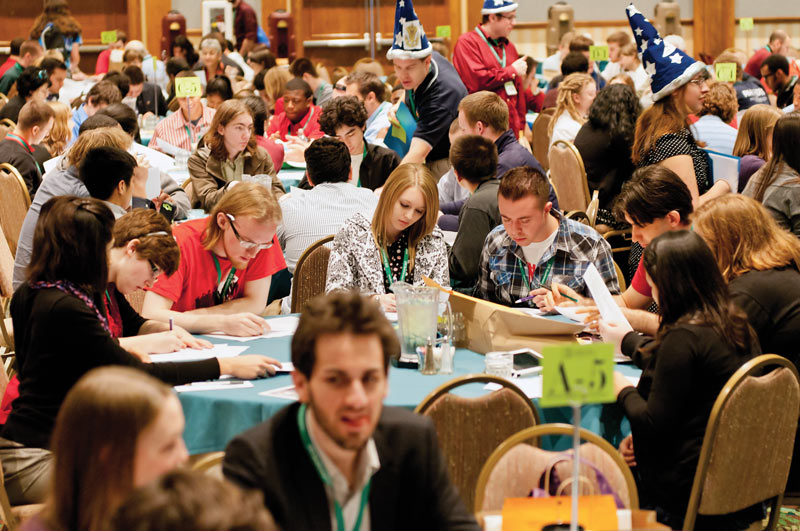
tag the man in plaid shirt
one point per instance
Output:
(536, 245)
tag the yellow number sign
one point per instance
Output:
(188, 87)
(598, 53)
(108, 37)
(443, 32)
(746, 24)
(582, 374)
(725, 71)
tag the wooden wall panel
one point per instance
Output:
(714, 26)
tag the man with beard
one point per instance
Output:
(338, 459)
(227, 263)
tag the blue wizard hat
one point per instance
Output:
(492, 7)
(668, 67)
(410, 41)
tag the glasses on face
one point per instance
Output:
(247, 244)
(699, 81)
(154, 269)
(340, 87)
(512, 18)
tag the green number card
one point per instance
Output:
(746, 24)
(574, 373)
(598, 53)
(443, 31)
(725, 71)
(188, 87)
(108, 37)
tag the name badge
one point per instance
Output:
(511, 90)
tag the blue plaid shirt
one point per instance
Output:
(576, 246)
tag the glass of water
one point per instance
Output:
(499, 364)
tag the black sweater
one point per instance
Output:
(58, 340)
(669, 409)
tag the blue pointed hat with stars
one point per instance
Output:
(410, 41)
(491, 7)
(668, 67)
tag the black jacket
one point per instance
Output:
(411, 489)
(375, 168)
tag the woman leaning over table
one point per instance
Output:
(702, 340)
(230, 150)
(62, 331)
(401, 244)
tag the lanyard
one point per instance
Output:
(302, 130)
(528, 277)
(411, 105)
(388, 270)
(325, 477)
(223, 294)
(491, 49)
(189, 134)
(21, 141)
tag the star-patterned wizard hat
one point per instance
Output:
(410, 41)
(668, 67)
(498, 6)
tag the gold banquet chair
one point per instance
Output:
(310, 273)
(748, 444)
(14, 203)
(514, 467)
(568, 176)
(470, 429)
(541, 136)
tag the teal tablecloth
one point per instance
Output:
(214, 417)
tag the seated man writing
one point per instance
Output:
(300, 117)
(227, 262)
(654, 201)
(536, 246)
(339, 459)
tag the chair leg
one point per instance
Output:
(774, 512)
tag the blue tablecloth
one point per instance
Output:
(214, 417)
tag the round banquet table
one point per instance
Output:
(214, 417)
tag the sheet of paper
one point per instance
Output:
(152, 188)
(216, 385)
(392, 316)
(279, 327)
(570, 313)
(634, 380)
(450, 236)
(531, 386)
(166, 147)
(286, 393)
(286, 367)
(609, 310)
(725, 168)
(191, 354)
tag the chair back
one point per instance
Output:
(541, 136)
(470, 429)
(14, 203)
(6, 267)
(136, 300)
(515, 467)
(569, 177)
(310, 273)
(7, 125)
(209, 464)
(620, 277)
(749, 441)
(3, 100)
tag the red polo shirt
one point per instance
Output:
(309, 125)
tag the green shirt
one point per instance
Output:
(10, 77)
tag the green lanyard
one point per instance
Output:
(542, 282)
(491, 48)
(21, 141)
(189, 134)
(411, 105)
(325, 477)
(388, 270)
(302, 131)
(228, 281)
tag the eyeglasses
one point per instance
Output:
(247, 244)
(340, 87)
(508, 17)
(154, 269)
(699, 81)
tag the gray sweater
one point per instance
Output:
(782, 196)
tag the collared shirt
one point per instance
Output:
(175, 130)
(349, 499)
(310, 215)
(717, 135)
(575, 247)
(115, 209)
(308, 125)
(78, 117)
(245, 24)
(377, 122)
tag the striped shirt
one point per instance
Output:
(717, 135)
(576, 246)
(175, 130)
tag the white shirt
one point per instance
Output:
(355, 165)
(566, 128)
(350, 501)
(611, 70)
(534, 252)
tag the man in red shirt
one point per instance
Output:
(778, 43)
(13, 57)
(245, 26)
(300, 117)
(227, 263)
(486, 60)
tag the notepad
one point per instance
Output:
(279, 327)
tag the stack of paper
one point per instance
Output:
(192, 354)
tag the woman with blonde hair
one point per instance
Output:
(61, 132)
(230, 151)
(142, 424)
(576, 92)
(754, 140)
(401, 244)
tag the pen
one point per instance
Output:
(170, 325)
(530, 297)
